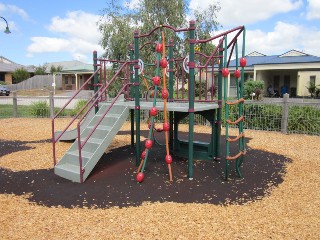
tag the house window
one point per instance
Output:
(312, 80)
(73, 80)
(66, 80)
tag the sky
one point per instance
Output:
(52, 31)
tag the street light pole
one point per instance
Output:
(7, 31)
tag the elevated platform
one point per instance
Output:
(173, 106)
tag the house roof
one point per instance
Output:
(5, 60)
(84, 68)
(292, 56)
(11, 67)
(65, 64)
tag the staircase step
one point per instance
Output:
(93, 140)
(84, 154)
(101, 127)
(68, 171)
(68, 166)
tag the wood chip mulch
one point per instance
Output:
(278, 198)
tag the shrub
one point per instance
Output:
(40, 109)
(304, 119)
(250, 87)
(20, 75)
(79, 105)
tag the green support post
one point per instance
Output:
(191, 97)
(217, 142)
(242, 140)
(95, 78)
(171, 92)
(131, 93)
(137, 94)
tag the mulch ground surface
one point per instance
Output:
(112, 182)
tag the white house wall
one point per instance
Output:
(304, 79)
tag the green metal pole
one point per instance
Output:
(95, 78)
(191, 97)
(137, 94)
(154, 105)
(219, 110)
(131, 94)
(242, 140)
(225, 55)
(171, 92)
(225, 81)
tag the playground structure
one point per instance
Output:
(94, 133)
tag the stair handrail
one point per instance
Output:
(54, 139)
(102, 90)
(82, 144)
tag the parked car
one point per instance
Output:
(4, 91)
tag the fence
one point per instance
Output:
(282, 114)
(37, 82)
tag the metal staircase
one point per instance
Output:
(84, 153)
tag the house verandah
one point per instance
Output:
(289, 73)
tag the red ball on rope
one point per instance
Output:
(159, 48)
(148, 144)
(153, 111)
(166, 127)
(243, 62)
(140, 177)
(237, 73)
(165, 93)
(143, 154)
(163, 63)
(156, 80)
(225, 72)
(168, 159)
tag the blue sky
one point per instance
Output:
(49, 31)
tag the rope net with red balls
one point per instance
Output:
(161, 63)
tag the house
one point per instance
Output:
(74, 77)
(7, 67)
(290, 72)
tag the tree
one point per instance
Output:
(118, 24)
(20, 75)
(55, 69)
(40, 70)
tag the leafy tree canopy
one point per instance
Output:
(40, 70)
(55, 69)
(118, 23)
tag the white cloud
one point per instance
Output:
(77, 24)
(22, 13)
(313, 9)
(283, 38)
(235, 12)
(46, 44)
(78, 35)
